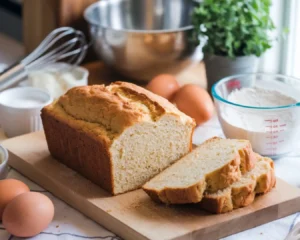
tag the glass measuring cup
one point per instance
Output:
(272, 131)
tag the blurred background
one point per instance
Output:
(23, 24)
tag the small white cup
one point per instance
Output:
(3, 162)
(20, 110)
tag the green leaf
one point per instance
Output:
(234, 27)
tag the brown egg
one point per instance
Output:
(195, 102)
(164, 85)
(9, 189)
(28, 214)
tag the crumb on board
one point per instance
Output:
(57, 226)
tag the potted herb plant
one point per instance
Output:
(236, 34)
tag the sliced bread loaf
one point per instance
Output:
(118, 136)
(211, 166)
(242, 193)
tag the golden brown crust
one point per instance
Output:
(221, 204)
(116, 106)
(248, 159)
(142, 93)
(224, 177)
(95, 104)
(192, 194)
(77, 150)
(242, 197)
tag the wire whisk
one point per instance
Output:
(63, 44)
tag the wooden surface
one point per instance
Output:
(102, 74)
(39, 18)
(133, 215)
(42, 16)
(70, 12)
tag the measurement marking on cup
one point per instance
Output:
(272, 137)
(271, 131)
(272, 143)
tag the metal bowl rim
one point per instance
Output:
(6, 155)
(92, 22)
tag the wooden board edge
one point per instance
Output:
(263, 218)
(104, 219)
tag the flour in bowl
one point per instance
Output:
(260, 97)
(270, 131)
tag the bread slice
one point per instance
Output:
(211, 166)
(242, 193)
(248, 157)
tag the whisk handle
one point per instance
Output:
(12, 75)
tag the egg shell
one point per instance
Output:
(9, 189)
(164, 85)
(28, 214)
(195, 102)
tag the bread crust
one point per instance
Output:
(248, 158)
(77, 150)
(242, 197)
(225, 176)
(111, 106)
(191, 194)
(217, 205)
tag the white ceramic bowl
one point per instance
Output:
(20, 110)
(3, 162)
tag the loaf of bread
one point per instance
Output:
(213, 165)
(242, 193)
(118, 136)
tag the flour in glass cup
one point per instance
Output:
(270, 132)
(260, 97)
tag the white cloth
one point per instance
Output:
(70, 224)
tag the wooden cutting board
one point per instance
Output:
(133, 215)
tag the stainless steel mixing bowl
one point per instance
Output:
(142, 38)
